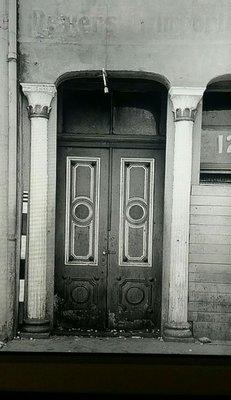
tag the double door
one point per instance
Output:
(108, 238)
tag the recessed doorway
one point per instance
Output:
(109, 212)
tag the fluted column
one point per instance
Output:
(39, 98)
(184, 101)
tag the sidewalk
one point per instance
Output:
(118, 345)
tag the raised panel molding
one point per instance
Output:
(135, 293)
(80, 291)
(136, 211)
(82, 210)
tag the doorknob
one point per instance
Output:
(109, 252)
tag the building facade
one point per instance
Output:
(115, 166)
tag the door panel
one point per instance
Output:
(81, 236)
(135, 245)
(136, 211)
(82, 210)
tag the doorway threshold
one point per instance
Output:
(108, 333)
(113, 345)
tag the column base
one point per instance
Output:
(36, 328)
(178, 332)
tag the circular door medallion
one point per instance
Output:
(135, 295)
(82, 211)
(136, 212)
(80, 294)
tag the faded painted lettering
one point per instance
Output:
(47, 26)
(68, 28)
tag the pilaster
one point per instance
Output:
(39, 98)
(184, 102)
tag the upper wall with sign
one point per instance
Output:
(186, 41)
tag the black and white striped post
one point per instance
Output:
(23, 255)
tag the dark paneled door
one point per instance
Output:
(81, 237)
(135, 239)
(108, 237)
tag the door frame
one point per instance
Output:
(89, 141)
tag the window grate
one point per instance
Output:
(217, 177)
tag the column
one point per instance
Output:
(39, 98)
(184, 101)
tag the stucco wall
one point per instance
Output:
(187, 41)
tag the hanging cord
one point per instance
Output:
(105, 81)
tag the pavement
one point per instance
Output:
(116, 345)
(114, 366)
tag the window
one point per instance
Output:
(132, 107)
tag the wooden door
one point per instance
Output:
(109, 237)
(81, 237)
(135, 239)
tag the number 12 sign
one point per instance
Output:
(223, 144)
(215, 146)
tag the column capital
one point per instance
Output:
(185, 101)
(39, 96)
